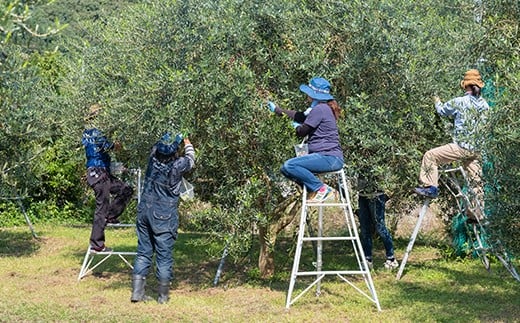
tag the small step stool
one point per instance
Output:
(352, 236)
(88, 265)
(89, 255)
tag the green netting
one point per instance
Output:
(460, 238)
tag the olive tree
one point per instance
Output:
(25, 126)
(501, 47)
(208, 68)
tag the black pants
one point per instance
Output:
(104, 186)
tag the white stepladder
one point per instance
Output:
(455, 180)
(88, 261)
(88, 266)
(351, 237)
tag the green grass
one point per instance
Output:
(39, 283)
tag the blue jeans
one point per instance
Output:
(157, 224)
(302, 169)
(372, 216)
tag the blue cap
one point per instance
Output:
(167, 145)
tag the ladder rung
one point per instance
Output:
(325, 204)
(328, 238)
(331, 272)
(123, 253)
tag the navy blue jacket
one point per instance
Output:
(97, 148)
(163, 180)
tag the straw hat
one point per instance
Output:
(472, 77)
(93, 111)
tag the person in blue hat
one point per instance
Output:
(157, 215)
(319, 124)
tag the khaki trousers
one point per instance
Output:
(446, 154)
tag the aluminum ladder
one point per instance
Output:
(351, 238)
(455, 189)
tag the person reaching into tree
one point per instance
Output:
(469, 113)
(157, 215)
(319, 123)
(104, 184)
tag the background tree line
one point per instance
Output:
(208, 67)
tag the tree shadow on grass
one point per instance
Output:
(473, 294)
(17, 244)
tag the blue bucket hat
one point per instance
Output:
(167, 145)
(318, 89)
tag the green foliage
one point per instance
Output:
(48, 211)
(27, 125)
(17, 25)
(10, 214)
(501, 169)
(208, 68)
(59, 176)
(43, 211)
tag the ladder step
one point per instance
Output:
(328, 238)
(325, 204)
(331, 272)
(123, 253)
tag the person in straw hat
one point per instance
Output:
(469, 113)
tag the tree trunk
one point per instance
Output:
(268, 233)
(266, 257)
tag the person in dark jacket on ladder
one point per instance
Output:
(104, 184)
(157, 215)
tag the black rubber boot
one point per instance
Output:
(138, 285)
(164, 292)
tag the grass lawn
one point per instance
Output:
(39, 282)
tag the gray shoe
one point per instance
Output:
(370, 264)
(391, 264)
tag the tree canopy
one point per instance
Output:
(208, 67)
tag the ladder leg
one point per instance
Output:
(351, 224)
(85, 265)
(356, 243)
(412, 238)
(319, 251)
(297, 254)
